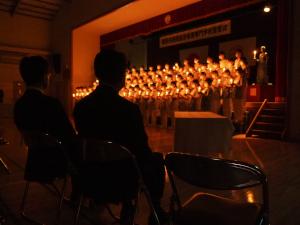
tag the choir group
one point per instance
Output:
(217, 87)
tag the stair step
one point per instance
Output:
(266, 134)
(275, 112)
(275, 105)
(270, 118)
(269, 105)
(269, 126)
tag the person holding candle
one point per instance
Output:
(197, 65)
(239, 98)
(240, 63)
(262, 66)
(227, 83)
(215, 93)
(196, 96)
(186, 66)
(174, 102)
(223, 62)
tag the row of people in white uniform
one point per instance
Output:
(220, 88)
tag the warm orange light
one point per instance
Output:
(250, 196)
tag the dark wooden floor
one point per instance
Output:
(280, 161)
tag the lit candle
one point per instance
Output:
(186, 91)
(177, 90)
(254, 54)
(199, 89)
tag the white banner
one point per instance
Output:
(204, 32)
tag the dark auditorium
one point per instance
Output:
(149, 112)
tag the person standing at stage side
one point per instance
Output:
(105, 115)
(262, 66)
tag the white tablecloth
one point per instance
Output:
(202, 132)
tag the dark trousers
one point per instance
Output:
(153, 172)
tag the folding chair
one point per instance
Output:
(215, 174)
(2, 162)
(109, 173)
(46, 163)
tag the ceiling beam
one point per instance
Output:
(15, 7)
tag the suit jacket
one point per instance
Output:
(37, 112)
(105, 115)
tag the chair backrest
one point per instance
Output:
(46, 158)
(108, 172)
(212, 173)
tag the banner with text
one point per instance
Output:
(204, 32)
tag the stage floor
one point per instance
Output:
(280, 161)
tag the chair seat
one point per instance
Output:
(208, 209)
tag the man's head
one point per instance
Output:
(221, 55)
(110, 67)
(238, 53)
(34, 71)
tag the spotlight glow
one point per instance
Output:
(267, 9)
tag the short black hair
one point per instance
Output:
(33, 69)
(110, 66)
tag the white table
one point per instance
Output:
(202, 132)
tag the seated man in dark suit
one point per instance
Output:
(37, 112)
(105, 115)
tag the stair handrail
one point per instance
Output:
(248, 131)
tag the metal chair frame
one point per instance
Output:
(141, 185)
(2, 162)
(175, 202)
(51, 187)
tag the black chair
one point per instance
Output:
(215, 174)
(108, 173)
(46, 164)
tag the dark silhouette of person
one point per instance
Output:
(36, 112)
(107, 116)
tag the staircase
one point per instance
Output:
(269, 122)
